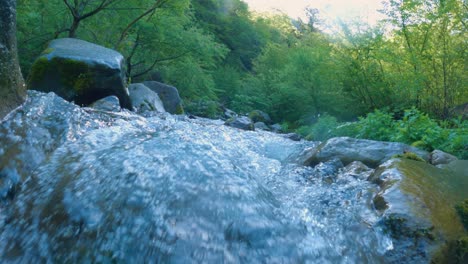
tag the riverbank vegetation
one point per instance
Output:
(405, 77)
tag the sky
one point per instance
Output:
(329, 10)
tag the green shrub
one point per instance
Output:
(419, 130)
(378, 125)
(349, 129)
(409, 155)
(204, 108)
(324, 128)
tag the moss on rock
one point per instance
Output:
(179, 110)
(462, 210)
(410, 156)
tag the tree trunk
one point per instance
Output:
(74, 27)
(12, 88)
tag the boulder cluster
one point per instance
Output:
(91, 75)
(416, 191)
(94, 76)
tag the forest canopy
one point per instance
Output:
(219, 54)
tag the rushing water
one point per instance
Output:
(81, 185)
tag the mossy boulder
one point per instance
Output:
(80, 71)
(169, 96)
(416, 203)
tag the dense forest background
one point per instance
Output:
(407, 74)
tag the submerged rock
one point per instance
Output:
(144, 99)
(80, 71)
(370, 152)
(109, 103)
(241, 122)
(168, 95)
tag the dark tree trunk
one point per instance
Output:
(12, 88)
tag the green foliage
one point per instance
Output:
(218, 51)
(204, 107)
(418, 129)
(409, 155)
(378, 125)
(323, 129)
(415, 128)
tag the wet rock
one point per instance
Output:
(109, 103)
(416, 201)
(144, 99)
(228, 113)
(438, 157)
(328, 171)
(276, 128)
(80, 71)
(261, 126)
(370, 152)
(293, 136)
(358, 170)
(241, 122)
(260, 116)
(168, 95)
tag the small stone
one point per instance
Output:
(109, 103)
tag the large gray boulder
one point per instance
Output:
(169, 96)
(438, 157)
(12, 89)
(144, 99)
(80, 71)
(370, 152)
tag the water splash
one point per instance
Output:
(117, 187)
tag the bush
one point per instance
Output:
(378, 125)
(419, 130)
(324, 128)
(415, 128)
(204, 108)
